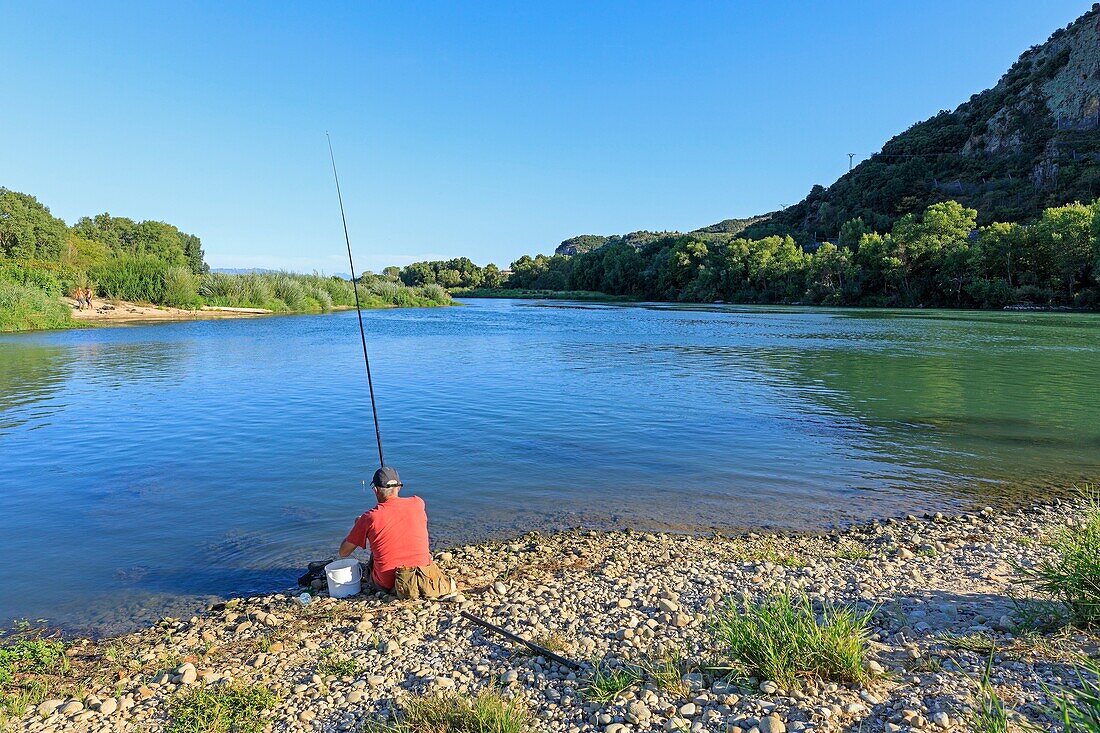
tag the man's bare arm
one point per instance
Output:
(347, 548)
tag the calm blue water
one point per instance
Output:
(149, 467)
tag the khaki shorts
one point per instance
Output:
(425, 582)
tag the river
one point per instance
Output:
(147, 469)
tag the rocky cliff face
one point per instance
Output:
(1073, 93)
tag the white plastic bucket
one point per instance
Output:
(345, 577)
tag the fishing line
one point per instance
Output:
(358, 308)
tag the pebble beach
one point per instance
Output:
(942, 593)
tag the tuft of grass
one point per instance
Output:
(666, 670)
(604, 685)
(331, 666)
(977, 643)
(554, 642)
(767, 551)
(1071, 578)
(228, 709)
(990, 714)
(783, 640)
(487, 712)
(1078, 708)
(852, 553)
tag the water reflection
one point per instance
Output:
(208, 458)
(29, 374)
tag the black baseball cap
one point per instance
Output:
(386, 478)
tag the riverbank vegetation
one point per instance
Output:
(1070, 577)
(25, 666)
(26, 308)
(43, 260)
(938, 258)
(535, 294)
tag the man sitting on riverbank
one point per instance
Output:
(396, 531)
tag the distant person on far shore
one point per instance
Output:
(396, 531)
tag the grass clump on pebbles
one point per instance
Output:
(333, 667)
(1070, 578)
(782, 639)
(229, 709)
(487, 712)
(604, 685)
(666, 670)
(1078, 708)
(990, 714)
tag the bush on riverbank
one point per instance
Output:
(782, 640)
(30, 291)
(27, 308)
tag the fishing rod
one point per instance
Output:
(358, 308)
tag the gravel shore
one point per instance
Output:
(942, 588)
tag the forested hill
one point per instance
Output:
(1030, 142)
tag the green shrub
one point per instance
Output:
(436, 293)
(53, 277)
(487, 712)
(230, 709)
(1071, 577)
(18, 691)
(26, 308)
(137, 278)
(782, 640)
(181, 288)
(289, 290)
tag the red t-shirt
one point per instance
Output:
(397, 533)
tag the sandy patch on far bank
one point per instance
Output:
(120, 311)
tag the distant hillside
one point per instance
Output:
(732, 226)
(243, 271)
(265, 271)
(1030, 142)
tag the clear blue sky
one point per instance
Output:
(479, 129)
